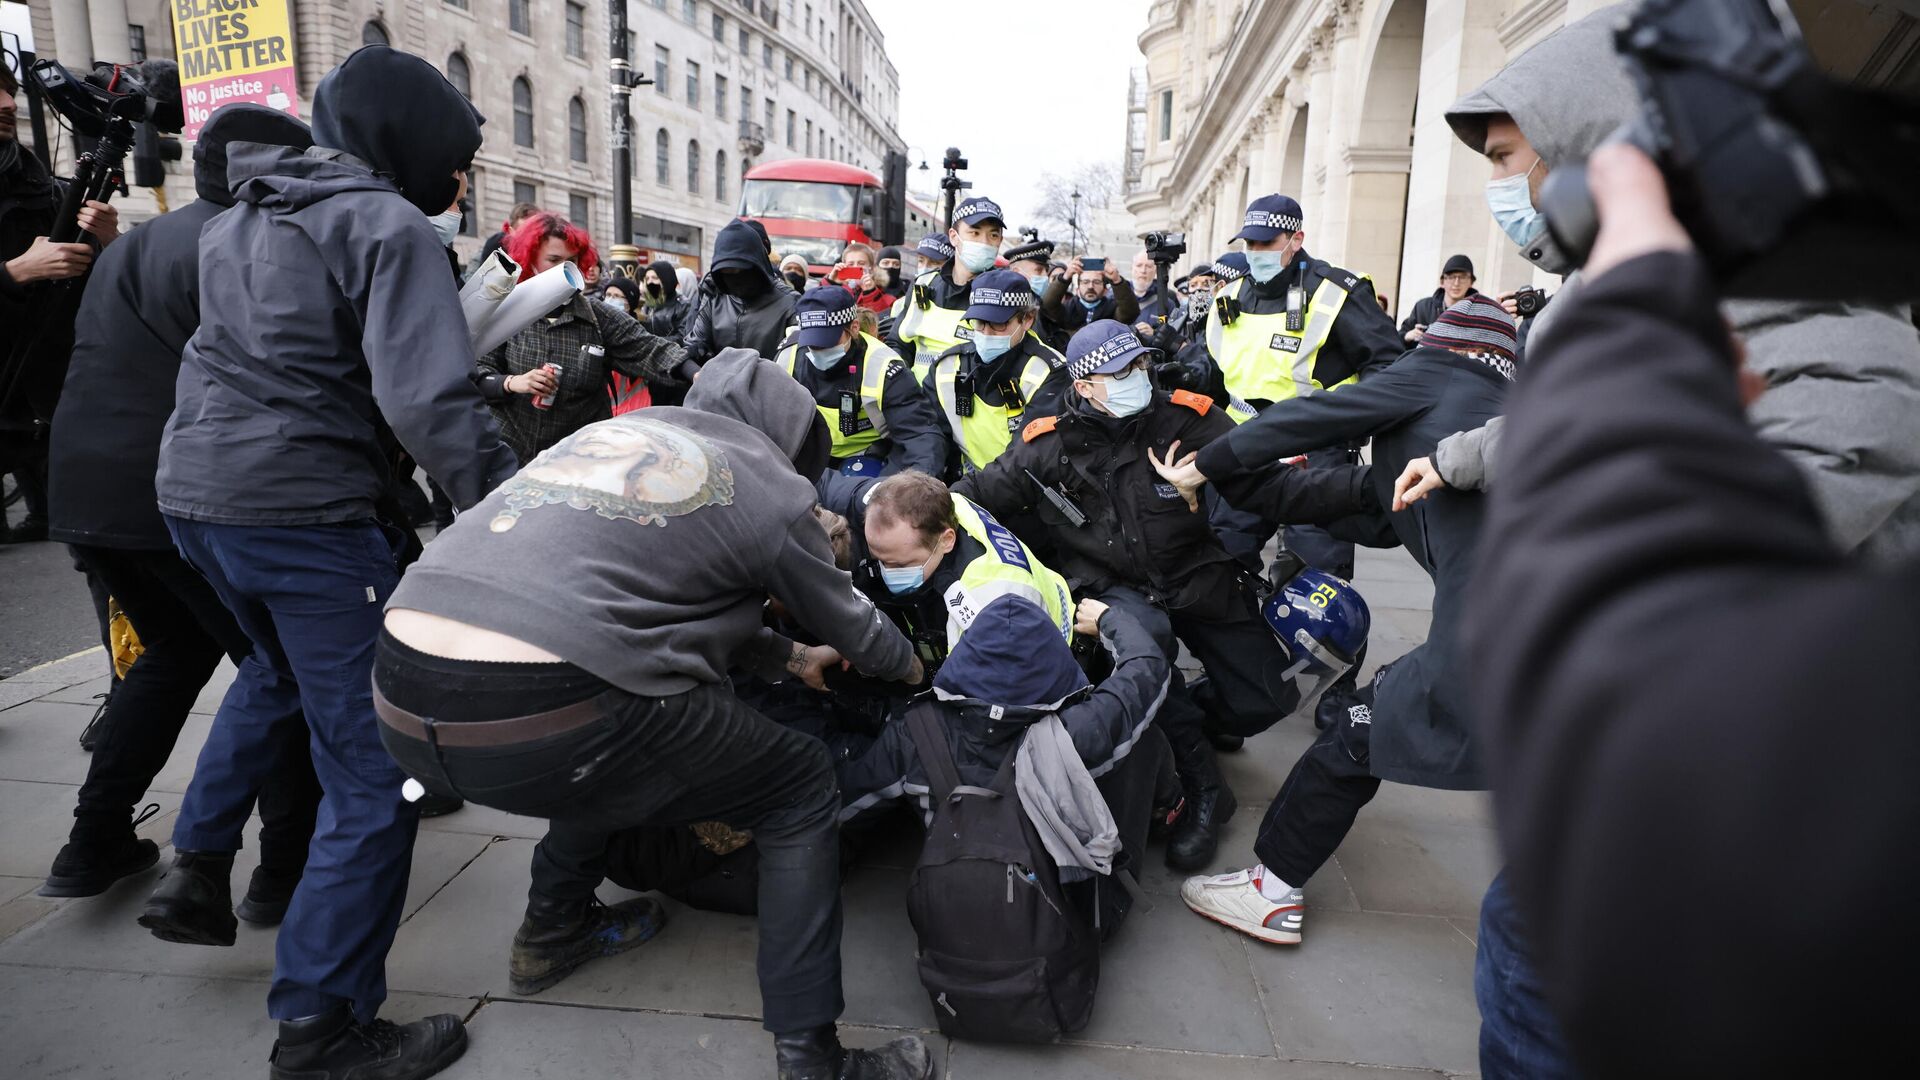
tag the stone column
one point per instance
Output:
(72, 37)
(1319, 97)
(1265, 153)
(1344, 97)
(109, 31)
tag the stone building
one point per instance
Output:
(737, 82)
(1339, 103)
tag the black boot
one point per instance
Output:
(335, 1046)
(98, 854)
(268, 894)
(193, 904)
(1196, 835)
(818, 1055)
(559, 935)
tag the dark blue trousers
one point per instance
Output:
(1519, 1038)
(309, 598)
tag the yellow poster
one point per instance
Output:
(233, 50)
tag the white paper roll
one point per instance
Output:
(489, 284)
(528, 301)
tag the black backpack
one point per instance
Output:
(1004, 956)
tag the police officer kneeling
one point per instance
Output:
(1130, 539)
(878, 415)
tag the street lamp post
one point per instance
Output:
(1073, 224)
(622, 255)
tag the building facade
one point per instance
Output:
(1340, 104)
(736, 82)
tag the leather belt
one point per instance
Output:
(518, 729)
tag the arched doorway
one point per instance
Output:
(1381, 153)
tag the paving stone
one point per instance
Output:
(105, 1025)
(1382, 592)
(40, 741)
(21, 912)
(66, 671)
(18, 690)
(1469, 928)
(515, 1040)
(979, 1061)
(84, 692)
(1419, 867)
(1175, 981)
(11, 887)
(1405, 803)
(1380, 989)
(36, 819)
(477, 820)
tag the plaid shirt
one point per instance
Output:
(582, 397)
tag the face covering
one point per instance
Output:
(446, 226)
(1512, 207)
(1090, 304)
(1266, 265)
(798, 281)
(903, 579)
(1039, 283)
(977, 257)
(992, 347)
(1129, 393)
(826, 358)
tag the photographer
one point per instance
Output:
(1097, 294)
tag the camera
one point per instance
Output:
(1166, 247)
(1528, 301)
(105, 105)
(1792, 184)
(953, 162)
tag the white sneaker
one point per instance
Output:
(1235, 900)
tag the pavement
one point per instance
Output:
(1382, 988)
(48, 613)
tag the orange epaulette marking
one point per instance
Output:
(1199, 403)
(1038, 428)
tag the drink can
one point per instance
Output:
(545, 401)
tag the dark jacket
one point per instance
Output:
(757, 322)
(669, 318)
(1687, 691)
(987, 705)
(326, 305)
(1422, 731)
(38, 317)
(991, 382)
(916, 439)
(1069, 314)
(1428, 308)
(1363, 337)
(1139, 532)
(141, 305)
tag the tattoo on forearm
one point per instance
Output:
(797, 660)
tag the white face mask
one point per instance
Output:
(1128, 394)
(446, 226)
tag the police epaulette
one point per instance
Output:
(1038, 428)
(1199, 403)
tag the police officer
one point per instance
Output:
(1293, 326)
(1125, 536)
(1032, 260)
(880, 418)
(1002, 376)
(933, 251)
(926, 321)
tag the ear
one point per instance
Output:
(948, 539)
(1084, 388)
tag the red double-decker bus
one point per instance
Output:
(815, 208)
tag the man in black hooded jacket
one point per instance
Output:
(742, 303)
(325, 308)
(141, 305)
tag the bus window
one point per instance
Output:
(799, 200)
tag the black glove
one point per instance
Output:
(1173, 375)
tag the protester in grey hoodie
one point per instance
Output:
(1843, 397)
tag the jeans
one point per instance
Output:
(184, 631)
(698, 756)
(1519, 1038)
(308, 599)
(1322, 796)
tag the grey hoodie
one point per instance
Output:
(643, 548)
(1843, 397)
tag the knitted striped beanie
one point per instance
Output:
(1475, 324)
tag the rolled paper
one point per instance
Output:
(489, 284)
(528, 301)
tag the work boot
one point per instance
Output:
(335, 1046)
(1196, 836)
(1163, 817)
(818, 1055)
(99, 854)
(193, 904)
(268, 894)
(559, 935)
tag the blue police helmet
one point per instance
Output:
(1321, 621)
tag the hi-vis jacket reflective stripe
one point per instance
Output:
(930, 328)
(873, 385)
(1260, 359)
(986, 434)
(1008, 568)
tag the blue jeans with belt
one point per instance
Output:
(309, 599)
(1519, 1038)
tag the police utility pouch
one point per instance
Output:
(849, 413)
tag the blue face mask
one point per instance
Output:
(977, 257)
(446, 226)
(1090, 304)
(1266, 265)
(1129, 393)
(903, 579)
(1512, 207)
(826, 358)
(1039, 283)
(992, 347)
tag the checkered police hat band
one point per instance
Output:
(969, 209)
(1262, 219)
(1227, 272)
(1103, 354)
(1002, 298)
(814, 320)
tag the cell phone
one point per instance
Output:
(1095, 264)
(850, 274)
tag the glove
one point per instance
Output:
(1173, 375)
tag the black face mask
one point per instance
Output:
(798, 281)
(653, 288)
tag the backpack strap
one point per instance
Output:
(943, 777)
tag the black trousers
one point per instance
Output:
(698, 756)
(1323, 794)
(1246, 693)
(184, 631)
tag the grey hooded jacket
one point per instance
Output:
(1843, 380)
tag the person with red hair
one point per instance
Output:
(538, 406)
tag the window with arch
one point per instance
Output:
(460, 74)
(374, 34)
(720, 175)
(693, 166)
(523, 112)
(662, 156)
(577, 130)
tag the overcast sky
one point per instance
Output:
(1054, 87)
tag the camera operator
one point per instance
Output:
(35, 310)
(1097, 294)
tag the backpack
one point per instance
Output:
(1003, 955)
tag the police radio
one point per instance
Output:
(849, 413)
(963, 393)
(1297, 302)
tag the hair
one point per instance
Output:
(867, 321)
(7, 80)
(915, 498)
(521, 211)
(523, 244)
(858, 246)
(839, 536)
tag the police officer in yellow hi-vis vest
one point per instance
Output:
(992, 385)
(1295, 325)
(926, 321)
(879, 417)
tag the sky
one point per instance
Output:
(1054, 74)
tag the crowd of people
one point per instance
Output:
(727, 568)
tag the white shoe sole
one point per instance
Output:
(1252, 930)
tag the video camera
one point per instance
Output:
(1166, 248)
(1792, 184)
(105, 105)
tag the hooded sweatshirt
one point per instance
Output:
(668, 318)
(657, 537)
(326, 305)
(758, 321)
(1843, 398)
(141, 306)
